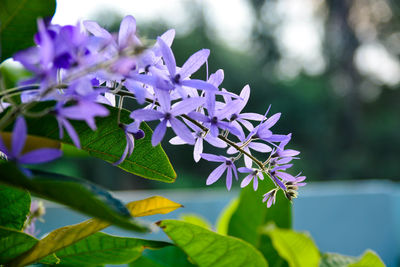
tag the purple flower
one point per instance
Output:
(254, 175)
(37, 210)
(270, 197)
(82, 110)
(293, 186)
(227, 164)
(215, 118)
(168, 114)
(171, 79)
(18, 142)
(199, 135)
(243, 118)
(132, 132)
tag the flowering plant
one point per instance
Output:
(81, 77)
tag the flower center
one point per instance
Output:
(168, 116)
(214, 120)
(177, 78)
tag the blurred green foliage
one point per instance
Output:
(340, 136)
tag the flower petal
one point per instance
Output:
(182, 131)
(159, 133)
(40, 156)
(187, 105)
(146, 114)
(199, 84)
(211, 157)
(198, 149)
(229, 179)
(127, 31)
(216, 174)
(245, 182)
(18, 136)
(194, 62)
(168, 56)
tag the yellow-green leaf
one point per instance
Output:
(151, 206)
(298, 249)
(68, 235)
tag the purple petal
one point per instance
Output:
(46, 45)
(182, 131)
(198, 149)
(255, 183)
(168, 37)
(260, 147)
(235, 171)
(211, 157)
(3, 147)
(216, 78)
(71, 132)
(159, 132)
(137, 89)
(40, 156)
(177, 141)
(127, 31)
(229, 109)
(187, 105)
(199, 84)
(288, 153)
(146, 114)
(123, 157)
(96, 30)
(168, 56)
(194, 62)
(246, 180)
(285, 176)
(198, 116)
(271, 121)
(245, 93)
(252, 116)
(278, 182)
(229, 179)
(216, 174)
(245, 170)
(18, 136)
(215, 141)
(164, 99)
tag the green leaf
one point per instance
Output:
(101, 248)
(225, 217)
(14, 207)
(68, 235)
(165, 257)
(196, 220)
(207, 248)
(369, 258)
(251, 214)
(14, 243)
(298, 249)
(18, 23)
(76, 193)
(108, 143)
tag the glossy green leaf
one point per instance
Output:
(298, 249)
(68, 235)
(196, 220)
(170, 256)
(101, 248)
(207, 248)
(76, 193)
(108, 143)
(14, 243)
(251, 214)
(18, 23)
(14, 207)
(369, 258)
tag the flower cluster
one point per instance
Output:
(85, 69)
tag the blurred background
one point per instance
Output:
(331, 67)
